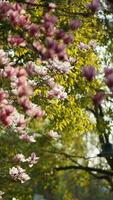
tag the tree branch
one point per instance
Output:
(87, 169)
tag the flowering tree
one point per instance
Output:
(44, 47)
(39, 75)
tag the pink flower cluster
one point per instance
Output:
(33, 159)
(28, 138)
(58, 65)
(16, 40)
(89, 73)
(22, 90)
(82, 46)
(55, 40)
(16, 103)
(109, 78)
(18, 173)
(58, 92)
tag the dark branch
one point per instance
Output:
(87, 169)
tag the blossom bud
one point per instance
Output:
(97, 98)
(109, 80)
(94, 5)
(68, 39)
(60, 34)
(75, 24)
(88, 72)
(108, 71)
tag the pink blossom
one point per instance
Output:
(50, 43)
(37, 46)
(19, 158)
(42, 71)
(92, 44)
(35, 111)
(27, 138)
(3, 58)
(68, 39)
(53, 134)
(75, 24)
(109, 80)
(61, 66)
(33, 159)
(30, 66)
(6, 115)
(18, 173)
(83, 46)
(24, 102)
(57, 92)
(22, 78)
(60, 34)
(59, 48)
(49, 18)
(16, 40)
(52, 7)
(21, 72)
(21, 121)
(108, 71)
(33, 29)
(16, 7)
(94, 6)
(9, 72)
(3, 96)
(98, 98)
(24, 91)
(17, 19)
(88, 72)
(4, 7)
